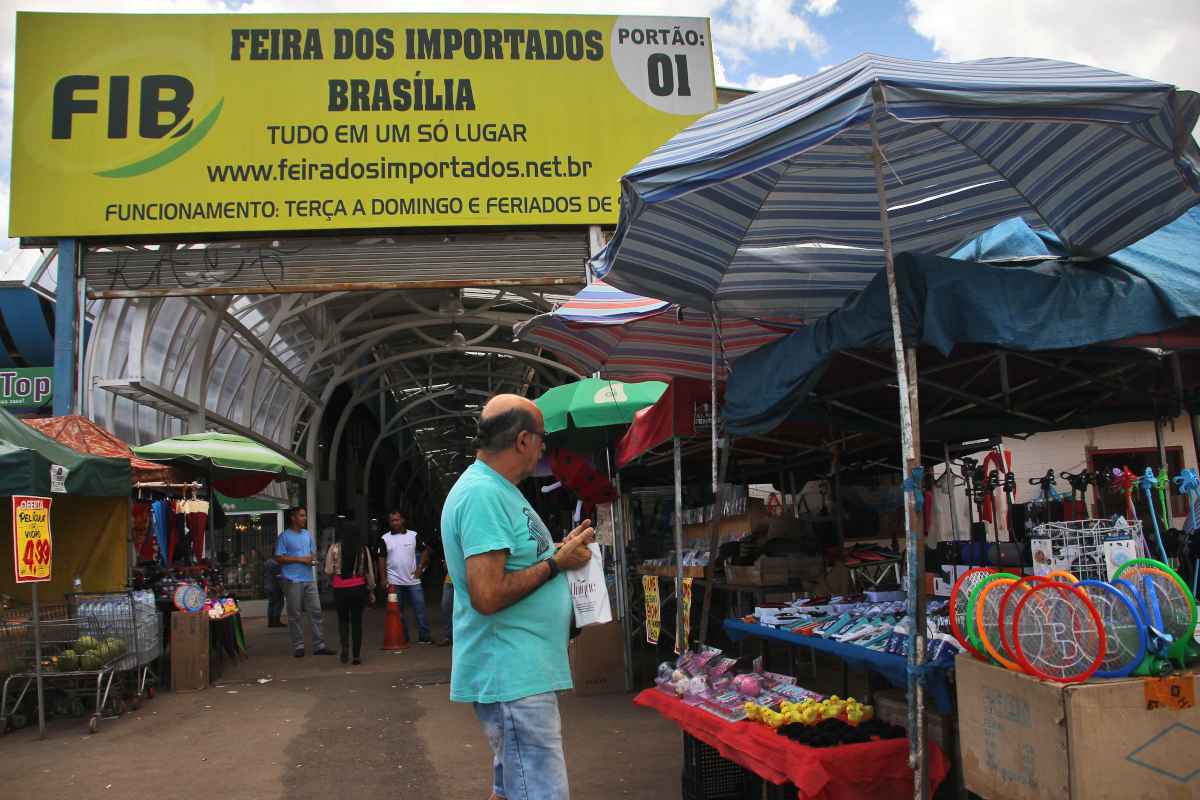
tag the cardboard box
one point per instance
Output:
(1025, 739)
(891, 706)
(597, 658)
(189, 651)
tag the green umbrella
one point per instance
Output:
(220, 452)
(596, 403)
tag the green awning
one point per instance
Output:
(255, 504)
(27, 458)
(220, 454)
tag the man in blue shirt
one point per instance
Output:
(296, 553)
(512, 623)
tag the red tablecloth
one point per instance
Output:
(876, 770)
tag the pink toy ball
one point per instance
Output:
(748, 685)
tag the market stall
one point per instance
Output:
(747, 219)
(90, 512)
(59, 654)
(187, 564)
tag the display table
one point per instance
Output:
(227, 641)
(892, 667)
(878, 770)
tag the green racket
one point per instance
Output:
(972, 629)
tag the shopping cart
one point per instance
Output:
(78, 669)
(130, 616)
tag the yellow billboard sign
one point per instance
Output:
(193, 124)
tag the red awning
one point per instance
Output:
(80, 433)
(674, 414)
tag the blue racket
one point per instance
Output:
(1126, 637)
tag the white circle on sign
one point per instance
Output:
(666, 62)
(613, 393)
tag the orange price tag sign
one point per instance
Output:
(33, 546)
(1174, 691)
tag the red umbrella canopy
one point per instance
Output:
(81, 434)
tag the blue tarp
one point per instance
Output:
(892, 667)
(1149, 287)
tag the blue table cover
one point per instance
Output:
(892, 667)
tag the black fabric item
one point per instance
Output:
(216, 515)
(350, 603)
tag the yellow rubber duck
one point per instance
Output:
(773, 718)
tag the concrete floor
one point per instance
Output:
(321, 729)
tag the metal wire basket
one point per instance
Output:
(75, 662)
(1084, 547)
(129, 617)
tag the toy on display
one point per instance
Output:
(878, 626)
(1059, 628)
(707, 680)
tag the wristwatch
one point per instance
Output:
(554, 569)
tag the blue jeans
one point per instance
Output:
(303, 597)
(527, 751)
(414, 596)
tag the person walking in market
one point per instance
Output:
(447, 608)
(273, 588)
(512, 624)
(403, 558)
(348, 564)
(296, 552)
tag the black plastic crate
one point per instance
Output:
(707, 775)
(785, 792)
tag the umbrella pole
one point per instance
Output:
(906, 377)
(678, 544)
(714, 525)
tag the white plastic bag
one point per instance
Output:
(589, 592)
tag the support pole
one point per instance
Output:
(78, 404)
(1160, 445)
(678, 453)
(906, 378)
(622, 577)
(37, 662)
(839, 521)
(66, 297)
(710, 571)
(1183, 409)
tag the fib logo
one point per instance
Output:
(164, 111)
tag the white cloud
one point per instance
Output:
(822, 8)
(1154, 39)
(720, 77)
(765, 83)
(743, 28)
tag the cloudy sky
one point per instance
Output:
(761, 44)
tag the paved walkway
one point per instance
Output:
(321, 729)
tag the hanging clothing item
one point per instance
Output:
(584, 480)
(178, 548)
(197, 523)
(161, 511)
(139, 526)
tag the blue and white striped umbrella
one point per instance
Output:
(768, 206)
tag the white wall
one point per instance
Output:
(1066, 451)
